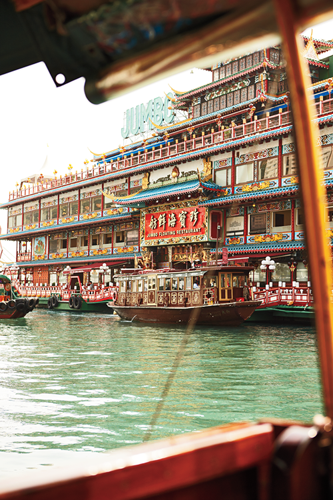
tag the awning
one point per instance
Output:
(90, 267)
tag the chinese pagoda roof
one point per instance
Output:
(170, 190)
(320, 45)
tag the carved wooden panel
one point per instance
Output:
(160, 298)
(181, 297)
(145, 297)
(174, 298)
(196, 297)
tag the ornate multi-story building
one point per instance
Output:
(223, 178)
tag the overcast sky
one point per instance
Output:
(38, 120)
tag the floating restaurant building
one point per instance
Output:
(223, 178)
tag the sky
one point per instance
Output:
(39, 121)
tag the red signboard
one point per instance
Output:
(178, 223)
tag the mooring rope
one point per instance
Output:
(191, 323)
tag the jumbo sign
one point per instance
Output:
(144, 116)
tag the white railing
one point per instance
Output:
(289, 295)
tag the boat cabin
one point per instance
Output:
(193, 287)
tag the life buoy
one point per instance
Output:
(114, 296)
(11, 305)
(3, 306)
(71, 301)
(8, 287)
(54, 300)
(77, 302)
(49, 303)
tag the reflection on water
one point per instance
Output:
(88, 383)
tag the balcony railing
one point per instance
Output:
(171, 150)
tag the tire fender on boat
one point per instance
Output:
(54, 300)
(11, 305)
(3, 306)
(21, 307)
(71, 301)
(77, 303)
(49, 303)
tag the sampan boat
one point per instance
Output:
(213, 295)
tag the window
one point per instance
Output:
(268, 168)
(151, 283)
(94, 240)
(84, 241)
(262, 55)
(237, 96)
(223, 101)
(302, 273)
(216, 104)
(45, 214)
(230, 99)
(289, 165)
(249, 61)
(196, 282)
(330, 216)
(15, 221)
(140, 286)
(174, 285)
(275, 55)
(235, 226)
(133, 237)
(250, 92)
(281, 221)
(210, 106)
(196, 111)
(256, 58)
(222, 72)
(63, 244)
(96, 204)
(119, 236)
(223, 177)
(235, 67)
(74, 208)
(73, 243)
(242, 63)
(53, 246)
(299, 218)
(181, 284)
(244, 173)
(123, 286)
(281, 272)
(244, 95)
(204, 108)
(228, 69)
(216, 229)
(107, 238)
(31, 217)
(161, 284)
(63, 210)
(258, 223)
(216, 75)
(326, 157)
(167, 284)
(85, 206)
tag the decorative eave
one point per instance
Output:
(261, 194)
(319, 64)
(289, 246)
(140, 199)
(264, 64)
(321, 45)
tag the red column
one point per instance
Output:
(293, 219)
(245, 224)
(48, 247)
(129, 186)
(280, 162)
(79, 204)
(22, 215)
(112, 240)
(67, 242)
(224, 225)
(39, 205)
(88, 241)
(233, 172)
(58, 211)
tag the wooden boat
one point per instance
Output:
(270, 460)
(213, 295)
(73, 297)
(11, 306)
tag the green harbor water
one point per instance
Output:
(73, 385)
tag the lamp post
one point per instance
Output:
(267, 265)
(292, 266)
(104, 269)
